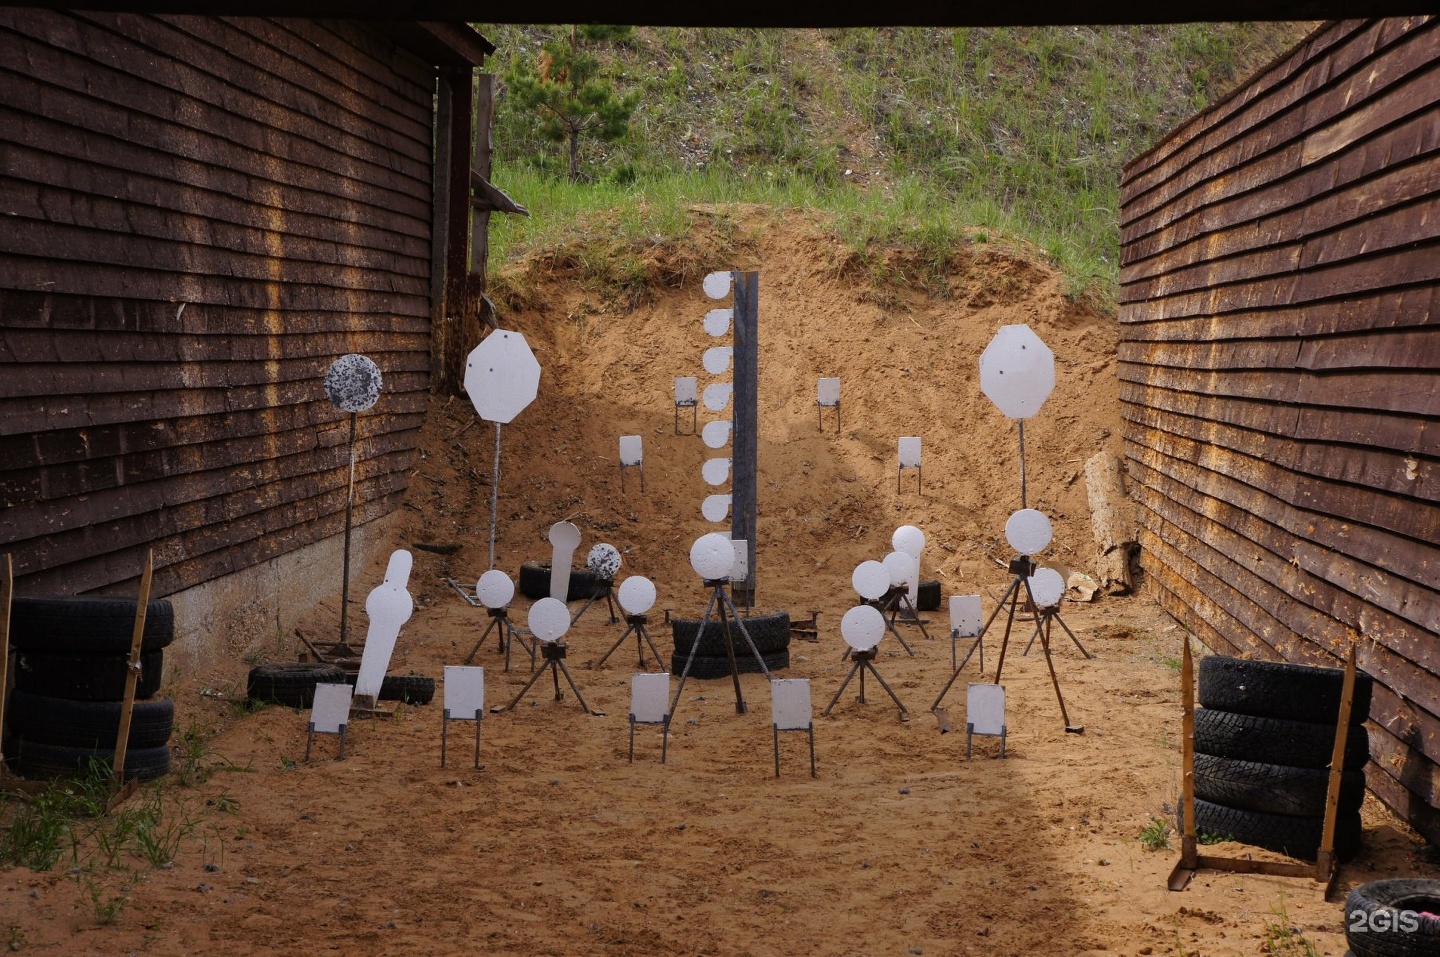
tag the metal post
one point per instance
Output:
(349, 514)
(494, 494)
(746, 433)
(1022, 463)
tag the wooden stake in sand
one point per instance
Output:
(132, 673)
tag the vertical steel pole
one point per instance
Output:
(494, 494)
(349, 516)
(1022, 463)
(746, 434)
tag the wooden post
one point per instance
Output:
(7, 595)
(1325, 865)
(1188, 840)
(132, 674)
(452, 337)
(1112, 519)
(484, 151)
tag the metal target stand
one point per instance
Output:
(604, 588)
(500, 622)
(642, 638)
(719, 602)
(893, 602)
(865, 661)
(1022, 568)
(554, 654)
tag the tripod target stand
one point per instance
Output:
(713, 558)
(637, 596)
(494, 591)
(862, 627)
(549, 620)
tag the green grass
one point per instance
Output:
(948, 134)
(1155, 836)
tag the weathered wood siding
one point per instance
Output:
(199, 215)
(1280, 316)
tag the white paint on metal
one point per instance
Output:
(965, 616)
(985, 708)
(1028, 531)
(353, 383)
(632, 451)
(716, 507)
(650, 697)
(687, 390)
(911, 541)
(717, 322)
(909, 452)
(330, 711)
(716, 471)
(712, 556)
(717, 285)
(603, 561)
(1017, 372)
(871, 579)
(717, 359)
(564, 539)
(901, 568)
(716, 435)
(1046, 587)
(389, 606)
(549, 619)
(790, 704)
(827, 392)
(495, 589)
(636, 595)
(741, 569)
(502, 376)
(717, 395)
(862, 627)
(462, 696)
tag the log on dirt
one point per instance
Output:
(1113, 520)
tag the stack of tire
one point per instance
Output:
(71, 660)
(770, 633)
(1264, 738)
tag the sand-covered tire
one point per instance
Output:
(1387, 918)
(927, 595)
(45, 761)
(86, 677)
(411, 689)
(90, 625)
(1273, 788)
(1272, 689)
(1298, 837)
(291, 683)
(1300, 744)
(88, 724)
(707, 667)
(770, 633)
(535, 582)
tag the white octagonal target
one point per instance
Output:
(862, 627)
(502, 376)
(603, 561)
(495, 589)
(1028, 531)
(871, 579)
(1046, 587)
(712, 556)
(549, 619)
(1017, 371)
(636, 594)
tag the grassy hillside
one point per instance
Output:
(926, 138)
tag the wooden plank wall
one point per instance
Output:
(199, 216)
(1280, 316)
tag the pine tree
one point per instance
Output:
(571, 97)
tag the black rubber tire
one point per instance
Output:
(86, 677)
(411, 689)
(770, 633)
(705, 667)
(1272, 689)
(291, 683)
(1421, 936)
(89, 624)
(1300, 744)
(88, 724)
(1298, 837)
(927, 596)
(45, 761)
(535, 582)
(1273, 788)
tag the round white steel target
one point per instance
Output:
(717, 359)
(1028, 531)
(717, 322)
(603, 561)
(636, 594)
(352, 383)
(549, 619)
(908, 539)
(717, 395)
(712, 556)
(716, 435)
(715, 507)
(901, 568)
(565, 535)
(715, 471)
(1046, 587)
(495, 589)
(862, 627)
(871, 579)
(717, 285)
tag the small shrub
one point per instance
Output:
(1155, 836)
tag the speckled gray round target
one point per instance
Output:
(352, 383)
(603, 561)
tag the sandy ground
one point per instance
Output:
(560, 844)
